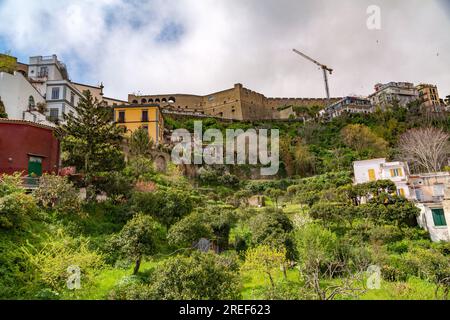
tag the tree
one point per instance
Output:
(91, 140)
(425, 148)
(273, 228)
(141, 236)
(304, 160)
(265, 259)
(167, 206)
(3, 113)
(361, 139)
(319, 260)
(275, 195)
(140, 143)
(201, 276)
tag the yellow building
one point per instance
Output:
(430, 96)
(135, 116)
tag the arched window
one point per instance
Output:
(157, 100)
(144, 100)
(31, 104)
(164, 100)
(134, 101)
(150, 100)
(172, 100)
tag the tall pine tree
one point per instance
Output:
(90, 140)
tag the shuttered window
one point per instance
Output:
(439, 217)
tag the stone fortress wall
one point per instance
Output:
(237, 103)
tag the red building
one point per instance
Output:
(28, 147)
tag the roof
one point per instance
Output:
(26, 122)
(124, 106)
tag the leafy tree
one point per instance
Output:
(190, 229)
(201, 276)
(57, 193)
(363, 140)
(275, 195)
(90, 139)
(142, 235)
(273, 227)
(140, 143)
(265, 259)
(167, 206)
(115, 184)
(320, 260)
(213, 223)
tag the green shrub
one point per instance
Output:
(201, 276)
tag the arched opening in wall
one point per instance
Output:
(157, 100)
(220, 114)
(172, 100)
(164, 100)
(135, 101)
(31, 104)
(186, 107)
(144, 100)
(150, 100)
(23, 73)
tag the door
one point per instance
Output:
(35, 166)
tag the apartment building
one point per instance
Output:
(146, 116)
(350, 104)
(429, 95)
(387, 94)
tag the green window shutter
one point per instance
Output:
(439, 217)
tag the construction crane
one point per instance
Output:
(324, 68)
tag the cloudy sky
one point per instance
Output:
(201, 46)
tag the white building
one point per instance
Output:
(349, 104)
(401, 92)
(21, 99)
(379, 169)
(50, 77)
(429, 192)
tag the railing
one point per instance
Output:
(30, 183)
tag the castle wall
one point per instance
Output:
(237, 103)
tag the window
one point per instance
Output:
(72, 98)
(54, 114)
(419, 195)
(438, 190)
(43, 72)
(121, 117)
(439, 217)
(144, 116)
(372, 175)
(396, 172)
(31, 103)
(55, 93)
(401, 192)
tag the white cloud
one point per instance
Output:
(229, 41)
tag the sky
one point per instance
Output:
(203, 46)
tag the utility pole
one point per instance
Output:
(324, 68)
